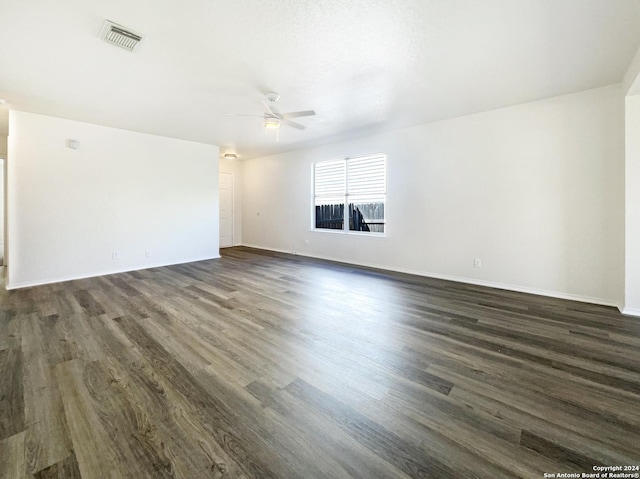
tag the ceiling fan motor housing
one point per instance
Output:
(272, 96)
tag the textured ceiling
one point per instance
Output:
(363, 66)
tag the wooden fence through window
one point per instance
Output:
(362, 217)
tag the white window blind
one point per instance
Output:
(330, 181)
(366, 176)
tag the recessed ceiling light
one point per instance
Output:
(230, 156)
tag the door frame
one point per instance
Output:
(233, 207)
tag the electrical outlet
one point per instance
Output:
(477, 263)
(147, 254)
(115, 255)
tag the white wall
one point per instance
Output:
(235, 167)
(632, 209)
(535, 191)
(631, 79)
(68, 210)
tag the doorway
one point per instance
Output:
(4, 133)
(226, 210)
(2, 216)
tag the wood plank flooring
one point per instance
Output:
(265, 365)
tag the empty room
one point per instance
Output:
(319, 239)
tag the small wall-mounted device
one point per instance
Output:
(73, 144)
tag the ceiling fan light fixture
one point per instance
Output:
(271, 122)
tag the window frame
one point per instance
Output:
(346, 216)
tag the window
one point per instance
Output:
(360, 185)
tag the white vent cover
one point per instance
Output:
(119, 36)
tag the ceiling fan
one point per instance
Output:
(273, 118)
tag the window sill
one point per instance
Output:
(349, 233)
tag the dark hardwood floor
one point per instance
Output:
(263, 365)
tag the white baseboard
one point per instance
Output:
(630, 312)
(29, 284)
(459, 279)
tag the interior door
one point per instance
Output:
(226, 210)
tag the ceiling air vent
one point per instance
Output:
(119, 36)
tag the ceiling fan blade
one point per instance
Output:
(297, 114)
(244, 114)
(294, 124)
(272, 109)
